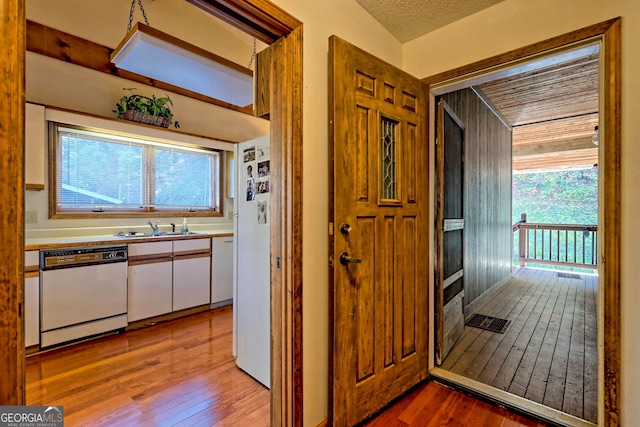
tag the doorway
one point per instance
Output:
(268, 23)
(464, 78)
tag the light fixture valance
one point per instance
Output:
(160, 56)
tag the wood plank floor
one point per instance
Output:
(182, 373)
(432, 404)
(178, 373)
(548, 354)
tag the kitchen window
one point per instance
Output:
(102, 173)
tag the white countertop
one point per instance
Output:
(52, 242)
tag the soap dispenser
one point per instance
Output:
(185, 228)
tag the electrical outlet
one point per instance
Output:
(31, 217)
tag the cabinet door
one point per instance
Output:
(221, 269)
(191, 282)
(31, 310)
(31, 298)
(35, 142)
(150, 290)
(191, 273)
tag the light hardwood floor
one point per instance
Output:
(549, 352)
(432, 404)
(175, 373)
(182, 373)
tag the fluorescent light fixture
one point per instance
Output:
(160, 56)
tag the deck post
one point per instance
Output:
(522, 241)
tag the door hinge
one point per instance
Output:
(278, 262)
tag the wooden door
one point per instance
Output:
(449, 231)
(378, 226)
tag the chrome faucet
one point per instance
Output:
(154, 227)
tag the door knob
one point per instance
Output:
(345, 228)
(345, 258)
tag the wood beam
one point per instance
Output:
(66, 47)
(12, 65)
(532, 149)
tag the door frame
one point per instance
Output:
(268, 23)
(609, 321)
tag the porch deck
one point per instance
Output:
(548, 354)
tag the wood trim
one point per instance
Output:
(196, 253)
(66, 47)
(609, 32)
(286, 233)
(453, 224)
(534, 49)
(611, 196)
(12, 143)
(258, 18)
(28, 274)
(262, 89)
(451, 279)
(150, 259)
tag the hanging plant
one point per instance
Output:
(142, 109)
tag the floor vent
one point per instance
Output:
(493, 324)
(569, 275)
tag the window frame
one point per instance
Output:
(56, 212)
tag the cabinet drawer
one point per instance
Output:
(191, 245)
(151, 248)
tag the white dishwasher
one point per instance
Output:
(83, 292)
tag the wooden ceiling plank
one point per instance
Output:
(552, 147)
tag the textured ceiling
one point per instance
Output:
(409, 19)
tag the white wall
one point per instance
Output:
(321, 19)
(516, 23)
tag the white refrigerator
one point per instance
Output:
(251, 279)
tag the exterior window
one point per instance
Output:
(99, 173)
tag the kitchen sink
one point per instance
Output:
(159, 234)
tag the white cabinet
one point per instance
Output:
(150, 280)
(191, 273)
(31, 299)
(35, 143)
(222, 270)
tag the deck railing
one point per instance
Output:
(557, 244)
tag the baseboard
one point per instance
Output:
(166, 317)
(221, 303)
(324, 423)
(475, 305)
(542, 414)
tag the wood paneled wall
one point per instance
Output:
(487, 194)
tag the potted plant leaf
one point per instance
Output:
(142, 109)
